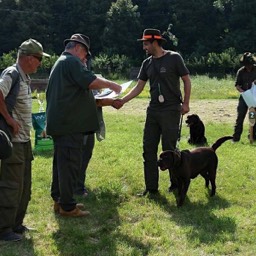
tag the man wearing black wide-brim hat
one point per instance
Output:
(163, 69)
(71, 114)
(245, 77)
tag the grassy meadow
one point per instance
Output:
(122, 224)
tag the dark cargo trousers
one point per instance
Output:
(15, 186)
(164, 126)
(86, 156)
(242, 109)
(66, 167)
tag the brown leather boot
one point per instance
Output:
(56, 206)
(74, 213)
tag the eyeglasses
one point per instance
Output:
(38, 58)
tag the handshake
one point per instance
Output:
(117, 103)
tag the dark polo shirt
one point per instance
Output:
(245, 78)
(71, 106)
(164, 75)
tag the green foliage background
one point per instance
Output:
(210, 34)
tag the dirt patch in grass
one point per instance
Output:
(222, 111)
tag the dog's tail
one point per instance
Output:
(220, 141)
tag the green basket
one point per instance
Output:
(42, 141)
(42, 144)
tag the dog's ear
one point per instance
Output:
(176, 158)
(197, 118)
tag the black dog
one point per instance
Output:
(185, 165)
(197, 130)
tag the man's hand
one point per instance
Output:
(14, 124)
(239, 88)
(184, 109)
(115, 87)
(117, 103)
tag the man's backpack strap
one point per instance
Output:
(10, 99)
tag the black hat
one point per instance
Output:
(247, 58)
(80, 38)
(151, 34)
(5, 145)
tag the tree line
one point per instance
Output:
(211, 35)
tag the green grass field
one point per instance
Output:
(123, 224)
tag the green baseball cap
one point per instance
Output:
(32, 47)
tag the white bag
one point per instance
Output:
(250, 96)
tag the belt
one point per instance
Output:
(23, 143)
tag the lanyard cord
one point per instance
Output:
(159, 89)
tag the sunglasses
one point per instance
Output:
(38, 58)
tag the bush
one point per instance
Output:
(118, 66)
(112, 66)
(225, 62)
(220, 64)
(8, 59)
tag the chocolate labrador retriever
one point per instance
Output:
(186, 165)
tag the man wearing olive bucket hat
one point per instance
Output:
(163, 69)
(245, 77)
(71, 114)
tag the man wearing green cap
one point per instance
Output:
(15, 110)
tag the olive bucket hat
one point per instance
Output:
(247, 58)
(151, 34)
(82, 39)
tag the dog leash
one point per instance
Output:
(180, 127)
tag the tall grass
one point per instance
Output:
(123, 224)
(204, 87)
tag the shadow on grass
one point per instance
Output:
(207, 222)
(24, 247)
(96, 234)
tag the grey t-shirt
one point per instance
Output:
(164, 78)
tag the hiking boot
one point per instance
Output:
(56, 206)
(10, 237)
(21, 229)
(74, 213)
